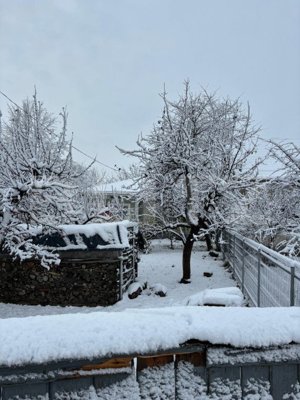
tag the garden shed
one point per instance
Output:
(98, 263)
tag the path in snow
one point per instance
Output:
(163, 266)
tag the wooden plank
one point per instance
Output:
(125, 362)
(156, 377)
(198, 359)
(255, 378)
(283, 378)
(32, 391)
(65, 386)
(149, 362)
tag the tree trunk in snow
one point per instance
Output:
(188, 247)
(186, 255)
(218, 237)
(208, 242)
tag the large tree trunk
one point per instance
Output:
(186, 255)
(218, 237)
(208, 242)
(188, 247)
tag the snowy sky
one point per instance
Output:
(108, 60)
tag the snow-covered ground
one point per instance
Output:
(161, 266)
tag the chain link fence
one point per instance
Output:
(267, 278)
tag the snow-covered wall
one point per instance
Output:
(44, 339)
(90, 356)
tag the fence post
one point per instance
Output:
(134, 263)
(121, 278)
(292, 288)
(258, 276)
(226, 245)
(233, 251)
(243, 265)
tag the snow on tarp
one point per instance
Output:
(112, 235)
(228, 296)
(43, 339)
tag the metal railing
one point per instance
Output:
(267, 278)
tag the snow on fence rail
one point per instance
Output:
(267, 278)
(181, 353)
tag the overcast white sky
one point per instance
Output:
(108, 60)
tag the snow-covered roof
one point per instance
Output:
(113, 235)
(126, 186)
(43, 339)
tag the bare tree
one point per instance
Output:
(37, 177)
(89, 200)
(288, 156)
(196, 164)
(287, 187)
(272, 215)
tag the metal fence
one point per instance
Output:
(267, 278)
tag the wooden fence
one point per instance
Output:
(196, 370)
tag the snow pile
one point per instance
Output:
(126, 389)
(159, 289)
(134, 287)
(157, 382)
(229, 296)
(43, 339)
(223, 356)
(189, 385)
(257, 389)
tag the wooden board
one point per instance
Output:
(125, 362)
(197, 359)
(149, 362)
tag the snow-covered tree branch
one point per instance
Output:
(273, 216)
(288, 155)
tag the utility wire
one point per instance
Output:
(75, 148)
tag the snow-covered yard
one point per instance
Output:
(153, 324)
(161, 266)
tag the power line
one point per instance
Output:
(75, 148)
(94, 159)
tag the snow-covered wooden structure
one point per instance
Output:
(98, 263)
(180, 353)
